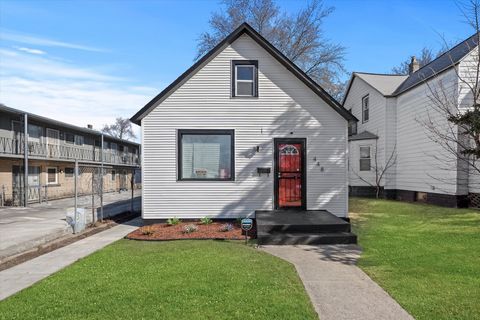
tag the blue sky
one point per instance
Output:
(89, 61)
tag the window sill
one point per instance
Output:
(53, 184)
(244, 97)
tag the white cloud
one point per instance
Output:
(66, 92)
(34, 40)
(31, 51)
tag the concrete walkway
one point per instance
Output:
(23, 229)
(26, 274)
(337, 288)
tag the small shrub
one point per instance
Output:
(206, 220)
(173, 221)
(226, 227)
(147, 231)
(189, 228)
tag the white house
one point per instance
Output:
(392, 112)
(243, 129)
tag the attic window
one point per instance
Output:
(244, 78)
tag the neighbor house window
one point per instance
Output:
(365, 108)
(79, 140)
(69, 138)
(352, 126)
(206, 155)
(113, 175)
(34, 131)
(244, 78)
(365, 159)
(69, 172)
(52, 177)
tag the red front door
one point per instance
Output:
(290, 173)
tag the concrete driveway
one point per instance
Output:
(22, 229)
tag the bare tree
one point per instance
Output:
(379, 169)
(298, 36)
(454, 120)
(122, 129)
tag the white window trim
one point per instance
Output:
(369, 157)
(252, 66)
(56, 175)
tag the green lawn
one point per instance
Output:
(426, 257)
(167, 280)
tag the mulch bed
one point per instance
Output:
(163, 231)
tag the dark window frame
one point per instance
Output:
(255, 77)
(181, 132)
(367, 96)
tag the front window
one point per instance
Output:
(365, 108)
(205, 155)
(365, 159)
(52, 175)
(244, 77)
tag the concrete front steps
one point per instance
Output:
(291, 227)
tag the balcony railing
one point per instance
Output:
(65, 152)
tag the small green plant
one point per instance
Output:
(206, 220)
(147, 230)
(226, 227)
(189, 228)
(173, 221)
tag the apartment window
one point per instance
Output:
(113, 146)
(52, 175)
(113, 175)
(206, 155)
(365, 109)
(244, 78)
(34, 131)
(69, 138)
(79, 140)
(69, 172)
(365, 160)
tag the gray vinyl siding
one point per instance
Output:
(285, 108)
(423, 165)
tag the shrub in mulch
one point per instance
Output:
(196, 230)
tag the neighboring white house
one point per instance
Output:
(243, 129)
(392, 111)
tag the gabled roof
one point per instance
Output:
(385, 84)
(244, 28)
(391, 85)
(440, 64)
(365, 135)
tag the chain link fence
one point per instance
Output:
(98, 192)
